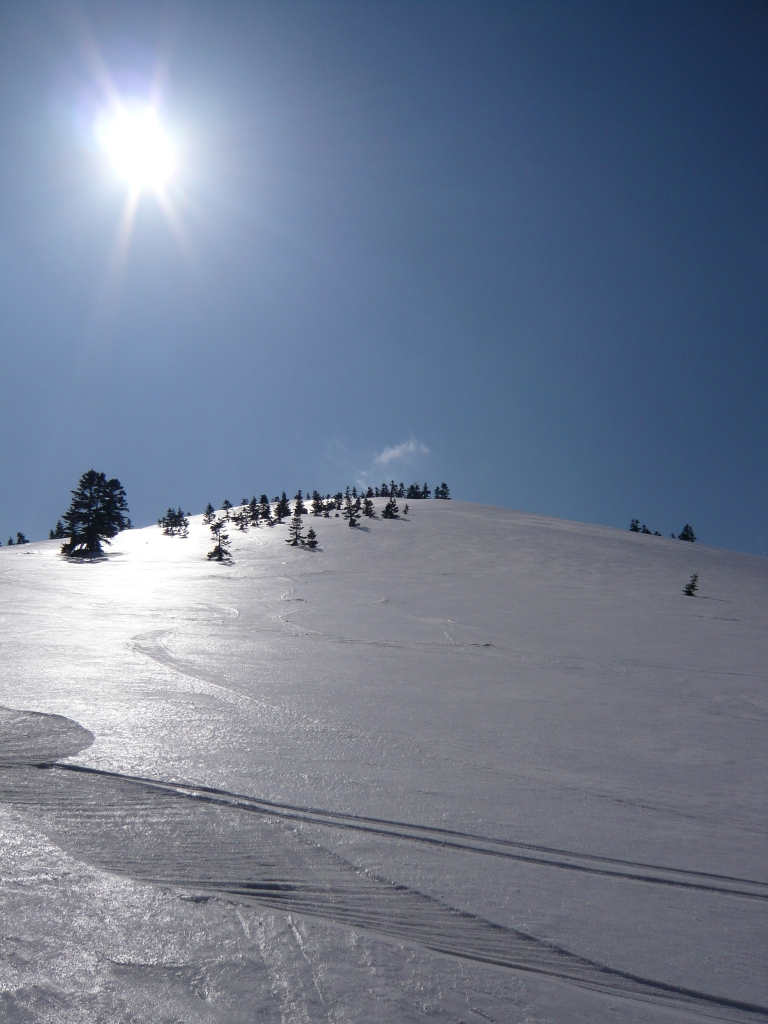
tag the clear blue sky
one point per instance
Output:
(531, 239)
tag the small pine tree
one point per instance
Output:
(295, 536)
(226, 505)
(368, 510)
(21, 539)
(317, 504)
(391, 510)
(350, 511)
(442, 491)
(311, 538)
(282, 508)
(687, 534)
(406, 510)
(645, 529)
(691, 586)
(220, 552)
(299, 507)
(209, 515)
(10, 542)
(634, 526)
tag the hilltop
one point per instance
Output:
(470, 763)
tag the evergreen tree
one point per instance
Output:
(634, 526)
(174, 523)
(299, 507)
(21, 539)
(209, 515)
(687, 534)
(265, 510)
(282, 509)
(311, 538)
(391, 510)
(226, 505)
(97, 513)
(406, 510)
(369, 493)
(441, 491)
(645, 530)
(10, 542)
(384, 491)
(368, 509)
(58, 532)
(692, 585)
(295, 536)
(253, 511)
(220, 551)
(350, 511)
(317, 504)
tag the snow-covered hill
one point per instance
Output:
(472, 765)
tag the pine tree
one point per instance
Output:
(253, 511)
(10, 542)
(295, 536)
(317, 504)
(220, 552)
(226, 505)
(209, 515)
(299, 507)
(391, 510)
(406, 510)
(282, 509)
(368, 509)
(174, 523)
(687, 534)
(441, 491)
(350, 511)
(692, 585)
(97, 513)
(21, 539)
(311, 538)
(58, 532)
(645, 529)
(634, 526)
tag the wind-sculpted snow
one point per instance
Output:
(469, 765)
(230, 845)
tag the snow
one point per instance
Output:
(472, 765)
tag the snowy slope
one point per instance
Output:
(471, 765)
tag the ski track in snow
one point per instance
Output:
(238, 848)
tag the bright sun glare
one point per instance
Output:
(137, 147)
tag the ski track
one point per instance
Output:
(226, 845)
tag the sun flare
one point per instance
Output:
(138, 148)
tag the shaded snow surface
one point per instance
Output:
(472, 765)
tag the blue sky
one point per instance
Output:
(521, 247)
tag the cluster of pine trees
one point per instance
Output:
(685, 534)
(174, 523)
(20, 539)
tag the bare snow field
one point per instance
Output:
(470, 766)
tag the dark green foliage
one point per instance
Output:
(299, 506)
(174, 523)
(209, 515)
(295, 536)
(253, 511)
(406, 510)
(687, 533)
(265, 511)
(441, 491)
(634, 526)
(58, 533)
(368, 510)
(369, 493)
(415, 491)
(226, 505)
(391, 510)
(311, 538)
(10, 542)
(318, 505)
(220, 551)
(691, 586)
(282, 508)
(645, 529)
(21, 539)
(351, 511)
(97, 513)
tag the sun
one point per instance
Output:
(135, 143)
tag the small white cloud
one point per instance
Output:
(398, 452)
